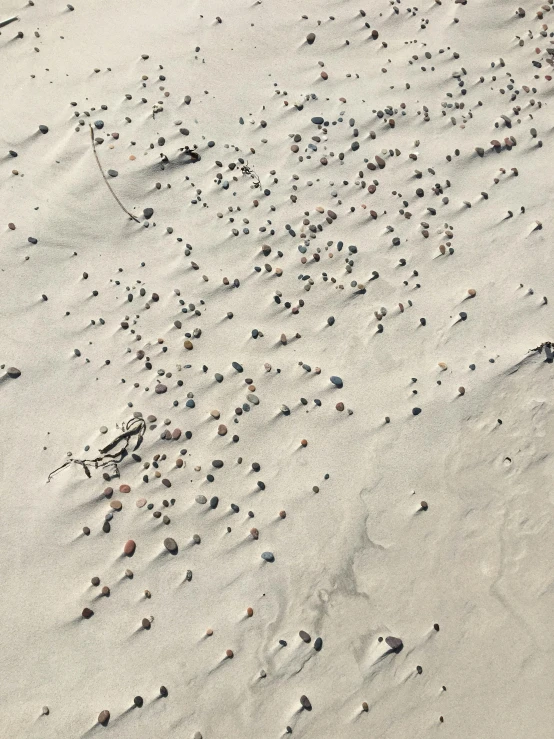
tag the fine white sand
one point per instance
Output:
(357, 559)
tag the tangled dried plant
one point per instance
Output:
(134, 427)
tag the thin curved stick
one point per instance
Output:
(134, 218)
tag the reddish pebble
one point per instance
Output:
(250, 612)
(229, 654)
(282, 514)
(340, 406)
(129, 548)
(124, 488)
(87, 613)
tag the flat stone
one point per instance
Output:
(394, 643)
(201, 499)
(161, 389)
(141, 502)
(129, 548)
(268, 556)
(13, 372)
(337, 381)
(171, 545)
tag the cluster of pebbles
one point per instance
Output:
(350, 174)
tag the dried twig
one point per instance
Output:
(134, 427)
(247, 170)
(547, 345)
(131, 216)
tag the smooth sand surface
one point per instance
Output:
(357, 559)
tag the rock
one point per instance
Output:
(305, 636)
(318, 644)
(268, 556)
(87, 613)
(113, 172)
(141, 502)
(171, 545)
(103, 717)
(337, 381)
(238, 367)
(161, 389)
(394, 643)
(217, 463)
(148, 213)
(305, 703)
(129, 548)
(138, 701)
(318, 120)
(222, 429)
(201, 499)
(310, 38)
(214, 502)
(43, 129)
(13, 372)
(253, 399)
(124, 488)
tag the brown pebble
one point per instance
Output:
(222, 429)
(305, 702)
(166, 482)
(146, 623)
(87, 613)
(209, 632)
(129, 548)
(124, 488)
(188, 344)
(108, 492)
(11, 226)
(304, 442)
(249, 612)
(103, 717)
(305, 636)
(105, 591)
(340, 406)
(254, 533)
(95, 581)
(176, 434)
(472, 293)
(365, 707)
(424, 505)
(461, 390)
(117, 505)
(229, 654)
(282, 514)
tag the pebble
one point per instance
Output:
(103, 717)
(129, 548)
(171, 545)
(337, 381)
(394, 643)
(13, 372)
(268, 556)
(305, 636)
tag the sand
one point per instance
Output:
(409, 500)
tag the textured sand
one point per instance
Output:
(359, 560)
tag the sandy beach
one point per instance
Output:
(276, 382)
